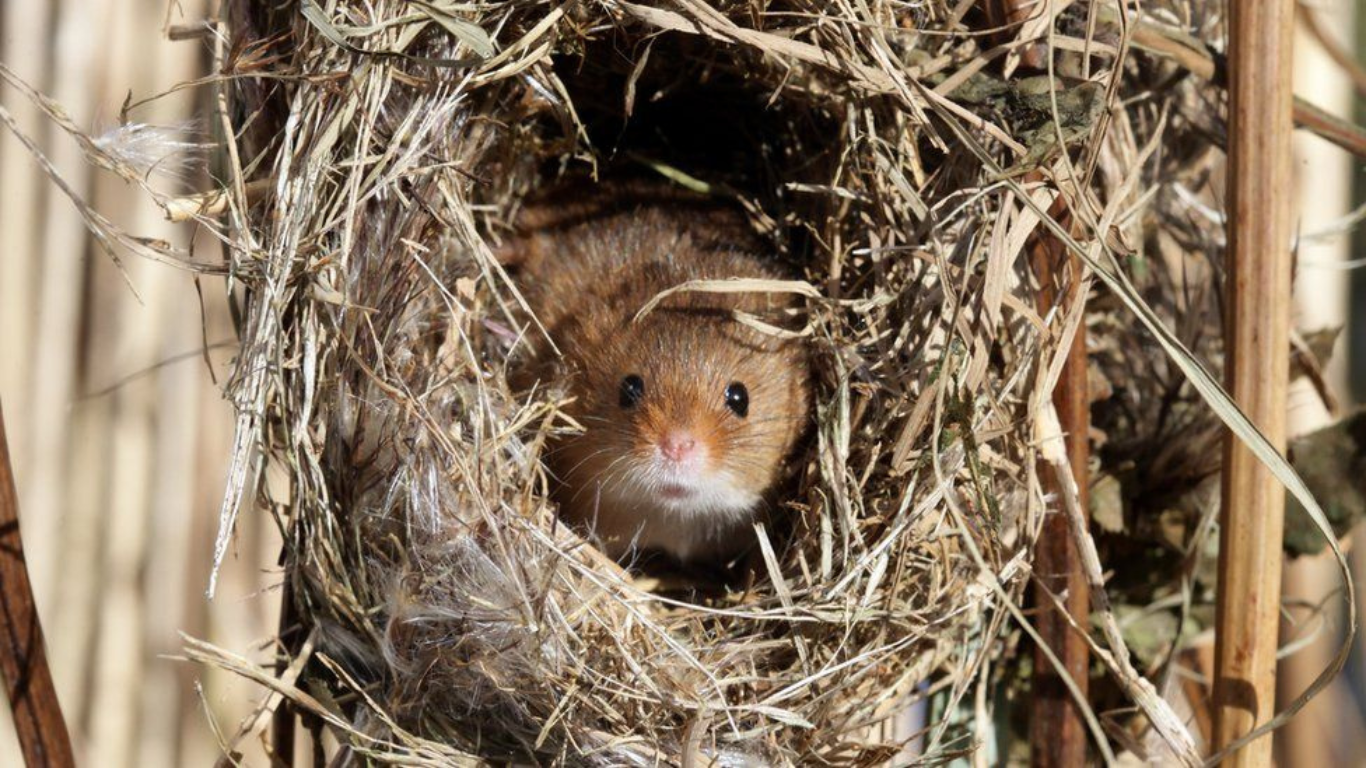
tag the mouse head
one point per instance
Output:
(687, 412)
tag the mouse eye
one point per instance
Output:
(632, 389)
(737, 399)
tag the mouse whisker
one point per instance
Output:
(601, 478)
(591, 456)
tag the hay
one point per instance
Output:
(436, 611)
(376, 150)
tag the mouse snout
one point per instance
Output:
(678, 446)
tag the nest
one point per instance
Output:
(438, 611)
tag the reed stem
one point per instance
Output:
(1257, 372)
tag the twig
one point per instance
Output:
(211, 203)
(38, 720)
(282, 722)
(1345, 135)
(1164, 720)
(1192, 55)
(1252, 513)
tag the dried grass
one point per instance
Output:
(422, 547)
(375, 150)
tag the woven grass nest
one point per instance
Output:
(439, 612)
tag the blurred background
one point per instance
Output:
(119, 434)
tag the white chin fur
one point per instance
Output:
(707, 521)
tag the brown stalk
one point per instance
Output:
(1057, 730)
(1005, 17)
(1257, 373)
(38, 720)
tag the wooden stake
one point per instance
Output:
(1257, 359)
(1057, 731)
(38, 720)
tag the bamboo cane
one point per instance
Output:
(1257, 359)
(23, 657)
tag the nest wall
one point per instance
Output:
(439, 611)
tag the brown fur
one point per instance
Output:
(587, 266)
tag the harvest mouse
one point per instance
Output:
(688, 414)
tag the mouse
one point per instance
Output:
(688, 416)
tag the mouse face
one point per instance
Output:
(688, 416)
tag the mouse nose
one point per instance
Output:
(678, 446)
